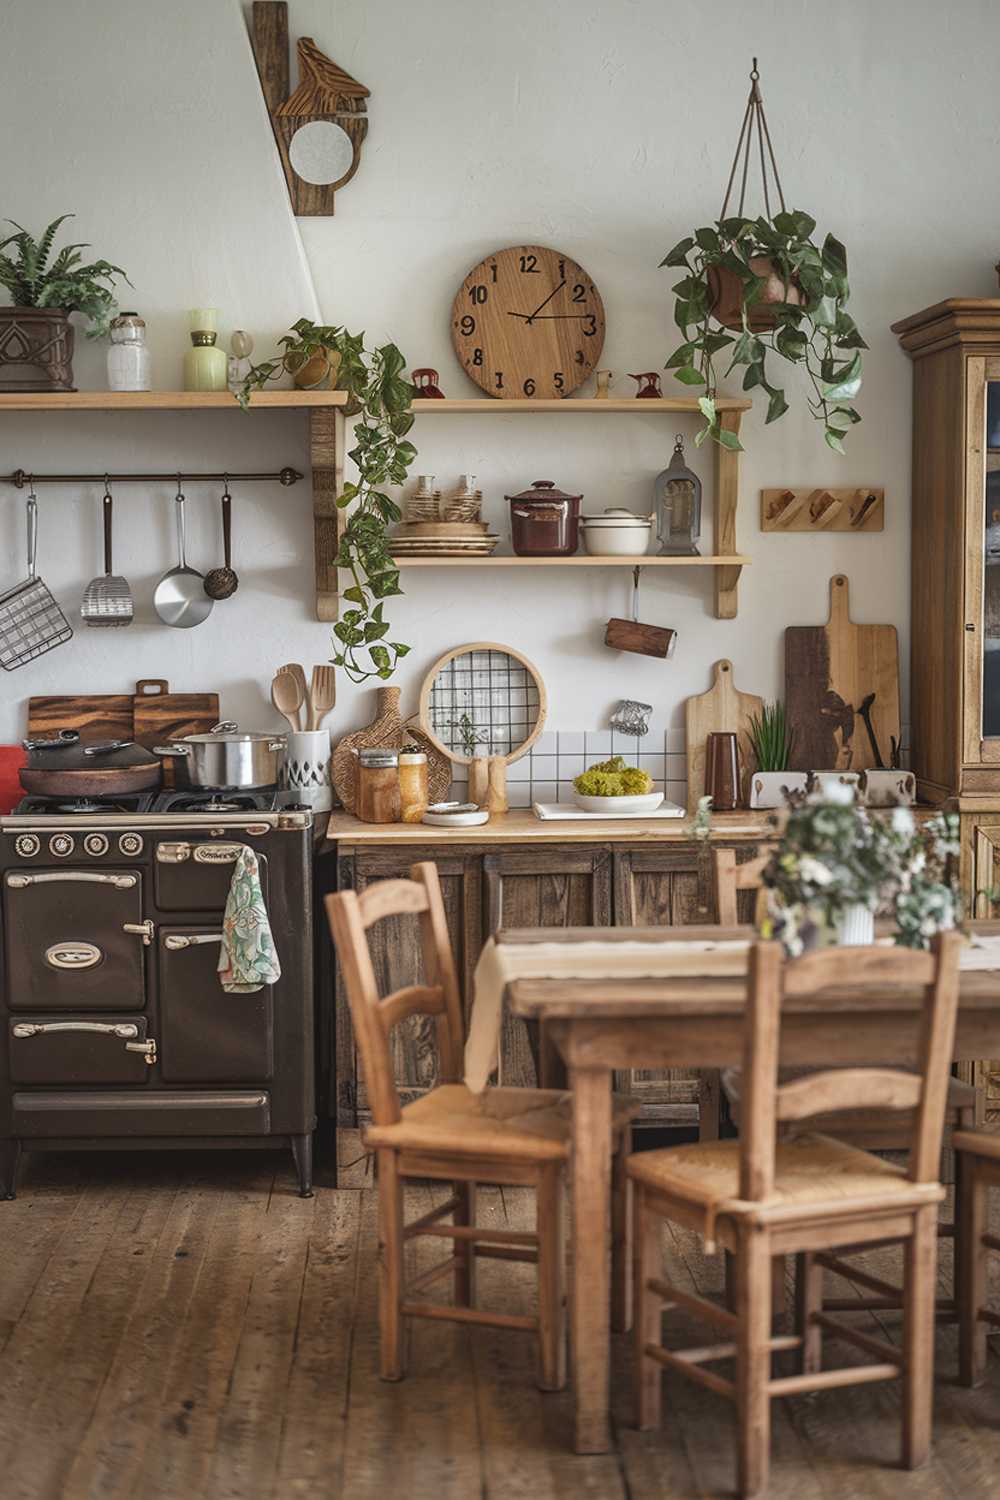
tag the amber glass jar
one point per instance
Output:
(413, 785)
(378, 786)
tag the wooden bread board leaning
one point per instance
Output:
(160, 716)
(723, 707)
(386, 729)
(823, 509)
(831, 672)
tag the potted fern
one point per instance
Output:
(36, 335)
(771, 782)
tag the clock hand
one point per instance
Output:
(548, 299)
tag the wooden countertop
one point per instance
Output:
(520, 826)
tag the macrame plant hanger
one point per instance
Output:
(754, 121)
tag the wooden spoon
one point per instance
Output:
(298, 672)
(322, 694)
(287, 697)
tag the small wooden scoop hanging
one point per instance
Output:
(629, 635)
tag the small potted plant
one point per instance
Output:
(36, 335)
(771, 782)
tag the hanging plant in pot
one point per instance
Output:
(762, 289)
(36, 335)
(380, 398)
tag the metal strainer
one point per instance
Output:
(107, 599)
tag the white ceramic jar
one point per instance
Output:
(128, 356)
(616, 533)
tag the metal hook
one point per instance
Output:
(225, 487)
(179, 495)
(635, 594)
(31, 487)
(107, 485)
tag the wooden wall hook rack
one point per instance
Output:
(822, 509)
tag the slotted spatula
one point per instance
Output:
(322, 694)
(107, 599)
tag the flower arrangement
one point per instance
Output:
(835, 855)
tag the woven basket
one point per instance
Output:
(388, 729)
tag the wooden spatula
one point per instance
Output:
(287, 697)
(322, 694)
(298, 672)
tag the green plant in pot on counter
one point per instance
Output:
(761, 290)
(380, 399)
(36, 336)
(771, 738)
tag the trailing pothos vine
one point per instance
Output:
(380, 399)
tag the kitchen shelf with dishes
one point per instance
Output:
(326, 449)
(726, 562)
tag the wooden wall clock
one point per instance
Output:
(528, 322)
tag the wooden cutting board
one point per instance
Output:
(159, 716)
(829, 670)
(98, 716)
(723, 707)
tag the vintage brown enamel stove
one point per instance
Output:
(116, 1030)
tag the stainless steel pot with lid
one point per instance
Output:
(226, 757)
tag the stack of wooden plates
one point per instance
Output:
(443, 539)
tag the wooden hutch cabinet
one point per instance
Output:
(955, 577)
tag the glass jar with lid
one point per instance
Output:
(128, 356)
(413, 784)
(378, 799)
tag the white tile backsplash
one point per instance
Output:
(597, 744)
(571, 743)
(546, 773)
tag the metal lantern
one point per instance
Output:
(677, 496)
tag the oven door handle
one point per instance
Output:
(121, 1029)
(177, 940)
(77, 877)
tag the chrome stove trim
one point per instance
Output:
(252, 823)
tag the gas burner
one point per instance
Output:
(136, 802)
(219, 800)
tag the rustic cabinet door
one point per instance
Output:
(982, 899)
(395, 946)
(668, 886)
(560, 885)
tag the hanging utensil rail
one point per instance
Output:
(23, 477)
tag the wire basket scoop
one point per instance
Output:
(107, 599)
(31, 621)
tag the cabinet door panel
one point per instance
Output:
(562, 885)
(398, 961)
(983, 900)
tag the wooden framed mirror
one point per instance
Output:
(483, 701)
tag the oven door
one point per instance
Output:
(207, 1035)
(194, 875)
(75, 940)
(98, 1049)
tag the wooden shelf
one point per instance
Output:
(165, 400)
(646, 561)
(485, 406)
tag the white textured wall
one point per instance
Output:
(604, 130)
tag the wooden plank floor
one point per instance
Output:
(186, 1327)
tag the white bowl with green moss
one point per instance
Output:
(616, 787)
(623, 804)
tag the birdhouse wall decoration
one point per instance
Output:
(319, 128)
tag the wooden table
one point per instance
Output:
(599, 1025)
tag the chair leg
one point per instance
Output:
(971, 1254)
(920, 1271)
(808, 1300)
(465, 1250)
(390, 1267)
(647, 1310)
(551, 1280)
(778, 1291)
(709, 1103)
(753, 1361)
(621, 1268)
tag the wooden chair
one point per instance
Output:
(979, 1153)
(506, 1136)
(761, 1197)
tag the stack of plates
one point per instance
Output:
(443, 539)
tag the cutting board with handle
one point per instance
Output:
(830, 670)
(723, 707)
(98, 716)
(160, 716)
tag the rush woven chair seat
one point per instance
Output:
(979, 1153)
(505, 1136)
(762, 1198)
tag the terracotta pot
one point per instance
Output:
(726, 290)
(319, 372)
(36, 349)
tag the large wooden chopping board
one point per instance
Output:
(160, 716)
(723, 707)
(98, 716)
(829, 670)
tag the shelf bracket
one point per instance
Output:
(727, 490)
(326, 454)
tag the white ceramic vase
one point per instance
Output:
(770, 788)
(307, 769)
(855, 927)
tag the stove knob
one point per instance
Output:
(27, 845)
(62, 845)
(130, 844)
(96, 843)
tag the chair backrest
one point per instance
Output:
(854, 980)
(374, 1015)
(730, 878)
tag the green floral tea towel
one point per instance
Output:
(247, 960)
